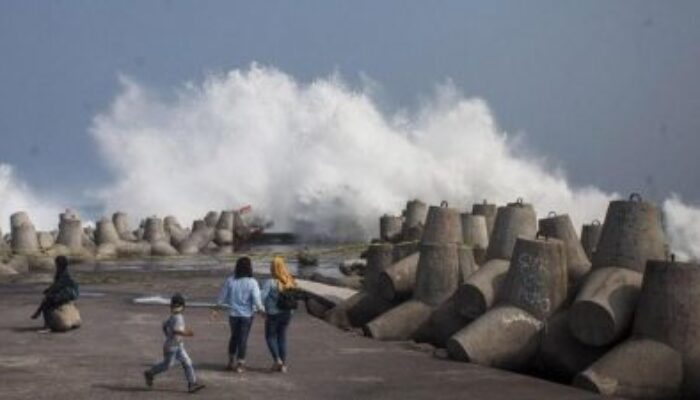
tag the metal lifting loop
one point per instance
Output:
(635, 197)
(443, 204)
(519, 201)
(595, 222)
(552, 214)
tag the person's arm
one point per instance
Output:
(179, 329)
(51, 288)
(224, 295)
(265, 292)
(257, 301)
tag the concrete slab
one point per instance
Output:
(105, 358)
(331, 295)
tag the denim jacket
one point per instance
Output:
(270, 294)
(242, 296)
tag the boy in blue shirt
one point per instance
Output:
(174, 349)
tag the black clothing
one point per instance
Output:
(63, 290)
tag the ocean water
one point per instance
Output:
(329, 256)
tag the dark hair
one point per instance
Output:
(177, 300)
(61, 262)
(244, 268)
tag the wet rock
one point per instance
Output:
(353, 267)
(64, 318)
(307, 258)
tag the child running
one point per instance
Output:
(174, 348)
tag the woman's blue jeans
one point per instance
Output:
(240, 329)
(276, 334)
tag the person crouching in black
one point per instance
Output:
(63, 290)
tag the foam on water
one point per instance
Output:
(15, 196)
(318, 158)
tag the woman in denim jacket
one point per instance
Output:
(278, 319)
(241, 295)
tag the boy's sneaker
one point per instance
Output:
(283, 368)
(195, 387)
(148, 377)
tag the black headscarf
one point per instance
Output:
(61, 263)
(64, 288)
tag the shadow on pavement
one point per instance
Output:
(24, 329)
(222, 368)
(136, 389)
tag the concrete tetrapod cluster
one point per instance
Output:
(590, 236)
(392, 268)
(407, 227)
(561, 227)
(390, 227)
(414, 296)
(539, 304)
(479, 291)
(32, 251)
(661, 360)
(488, 211)
(390, 272)
(603, 309)
(475, 235)
(443, 263)
(413, 221)
(534, 288)
(26, 250)
(401, 258)
(409, 285)
(632, 234)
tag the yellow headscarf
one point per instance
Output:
(280, 272)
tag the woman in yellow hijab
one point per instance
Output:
(279, 299)
(279, 271)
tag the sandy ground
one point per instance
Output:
(105, 358)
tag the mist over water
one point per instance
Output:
(318, 158)
(17, 196)
(683, 228)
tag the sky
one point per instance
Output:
(607, 91)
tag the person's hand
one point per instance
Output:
(214, 314)
(186, 333)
